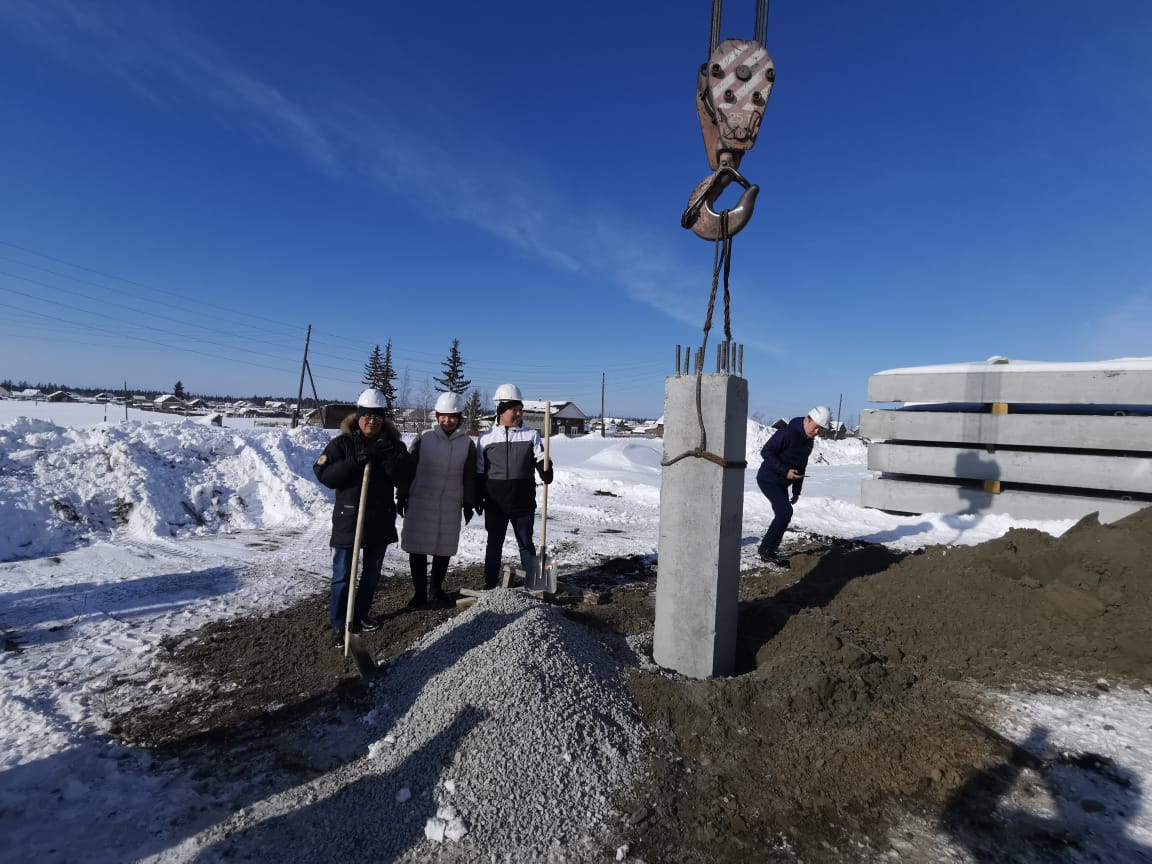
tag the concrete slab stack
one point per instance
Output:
(1029, 439)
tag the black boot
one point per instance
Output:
(419, 565)
(439, 571)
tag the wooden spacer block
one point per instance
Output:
(992, 486)
(466, 603)
(999, 407)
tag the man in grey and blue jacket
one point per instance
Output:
(507, 458)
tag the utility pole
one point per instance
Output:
(603, 420)
(303, 368)
(125, 400)
(839, 405)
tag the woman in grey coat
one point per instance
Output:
(443, 488)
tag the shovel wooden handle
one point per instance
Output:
(353, 577)
(547, 463)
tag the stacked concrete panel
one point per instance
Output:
(1033, 440)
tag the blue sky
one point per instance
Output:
(186, 186)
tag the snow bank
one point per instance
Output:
(63, 487)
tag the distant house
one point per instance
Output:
(195, 403)
(59, 396)
(330, 416)
(30, 393)
(5, 393)
(103, 397)
(168, 402)
(836, 430)
(567, 419)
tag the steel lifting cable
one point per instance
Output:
(721, 264)
(721, 261)
(759, 27)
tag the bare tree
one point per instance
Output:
(472, 412)
(404, 390)
(428, 395)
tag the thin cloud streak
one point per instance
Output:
(143, 47)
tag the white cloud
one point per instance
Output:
(441, 174)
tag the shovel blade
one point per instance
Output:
(542, 575)
(534, 578)
(361, 656)
(548, 574)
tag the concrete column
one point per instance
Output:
(701, 514)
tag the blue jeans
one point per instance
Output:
(777, 495)
(496, 524)
(373, 558)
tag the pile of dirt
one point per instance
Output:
(1024, 605)
(857, 694)
(857, 698)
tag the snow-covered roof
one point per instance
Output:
(563, 409)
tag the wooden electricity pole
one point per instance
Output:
(603, 420)
(303, 369)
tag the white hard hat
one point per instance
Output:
(821, 415)
(372, 398)
(507, 393)
(450, 403)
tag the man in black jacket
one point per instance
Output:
(785, 461)
(367, 437)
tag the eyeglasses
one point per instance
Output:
(379, 418)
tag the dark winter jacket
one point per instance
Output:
(789, 447)
(337, 469)
(506, 458)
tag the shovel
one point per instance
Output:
(353, 644)
(543, 574)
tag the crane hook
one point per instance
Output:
(700, 216)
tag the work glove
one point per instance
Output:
(364, 450)
(545, 473)
(468, 511)
(795, 498)
(393, 457)
(401, 505)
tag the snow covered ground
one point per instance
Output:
(115, 534)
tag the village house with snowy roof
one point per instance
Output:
(567, 419)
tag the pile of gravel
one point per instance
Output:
(505, 734)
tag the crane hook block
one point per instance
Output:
(732, 89)
(701, 215)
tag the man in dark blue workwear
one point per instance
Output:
(785, 461)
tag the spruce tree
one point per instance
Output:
(373, 369)
(388, 373)
(178, 390)
(454, 380)
(379, 373)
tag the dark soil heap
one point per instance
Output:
(855, 690)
